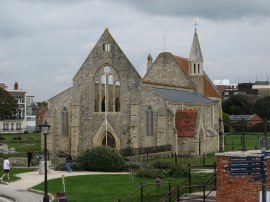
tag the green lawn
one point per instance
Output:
(106, 188)
(14, 171)
(22, 143)
(97, 188)
(235, 141)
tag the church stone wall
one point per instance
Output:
(57, 141)
(86, 125)
(159, 108)
(90, 121)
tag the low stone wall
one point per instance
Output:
(19, 161)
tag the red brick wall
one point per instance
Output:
(237, 188)
(185, 122)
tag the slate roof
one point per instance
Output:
(241, 117)
(195, 52)
(182, 96)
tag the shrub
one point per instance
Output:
(101, 159)
(178, 171)
(128, 151)
(151, 173)
(147, 173)
(2, 138)
(17, 138)
(161, 164)
(60, 167)
(132, 165)
(76, 166)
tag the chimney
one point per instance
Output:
(16, 86)
(149, 61)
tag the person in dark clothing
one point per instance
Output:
(29, 157)
(68, 162)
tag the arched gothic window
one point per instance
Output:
(149, 121)
(107, 90)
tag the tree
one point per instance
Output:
(238, 104)
(8, 105)
(42, 104)
(262, 107)
(226, 122)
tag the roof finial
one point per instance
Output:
(196, 23)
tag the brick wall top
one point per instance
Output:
(237, 188)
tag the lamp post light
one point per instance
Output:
(45, 127)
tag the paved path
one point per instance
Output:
(18, 190)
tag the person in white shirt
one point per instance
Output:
(6, 167)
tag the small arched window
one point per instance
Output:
(194, 68)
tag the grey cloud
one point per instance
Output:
(210, 9)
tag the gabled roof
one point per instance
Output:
(209, 89)
(182, 96)
(105, 38)
(240, 117)
(167, 72)
(195, 51)
(245, 117)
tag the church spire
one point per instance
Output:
(195, 52)
(195, 58)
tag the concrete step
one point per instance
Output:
(195, 197)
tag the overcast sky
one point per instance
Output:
(43, 43)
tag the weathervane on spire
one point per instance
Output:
(196, 23)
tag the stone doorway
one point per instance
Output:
(110, 140)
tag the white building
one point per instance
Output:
(25, 120)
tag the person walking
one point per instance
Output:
(68, 162)
(29, 157)
(158, 181)
(6, 167)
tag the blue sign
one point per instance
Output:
(248, 158)
(246, 164)
(245, 173)
(240, 169)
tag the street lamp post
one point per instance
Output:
(45, 127)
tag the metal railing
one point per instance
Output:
(168, 190)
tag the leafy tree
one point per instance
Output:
(42, 104)
(262, 107)
(226, 122)
(238, 104)
(8, 105)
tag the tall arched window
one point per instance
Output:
(107, 90)
(149, 121)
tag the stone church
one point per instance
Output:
(174, 104)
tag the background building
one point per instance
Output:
(257, 89)
(25, 119)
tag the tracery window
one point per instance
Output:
(107, 90)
